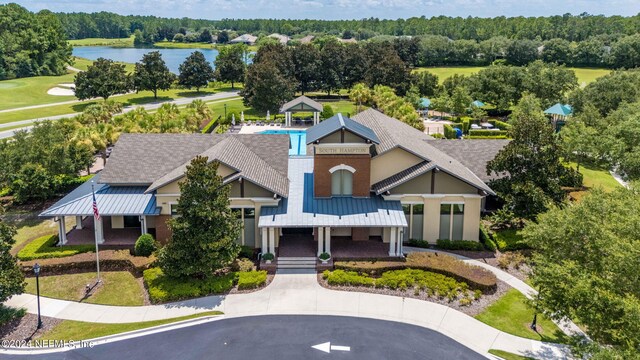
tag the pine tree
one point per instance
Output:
(195, 71)
(204, 234)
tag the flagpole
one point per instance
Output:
(97, 231)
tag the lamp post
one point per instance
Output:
(36, 271)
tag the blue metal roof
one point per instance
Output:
(301, 209)
(111, 200)
(477, 103)
(425, 103)
(337, 123)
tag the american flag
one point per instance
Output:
(96, 213)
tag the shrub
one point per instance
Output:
(247, 252)
(251, 279)
(514, 258)
(437, 136)
(8, 314)
(211, 125)
(571, 178)
(324, 256)
(449, 132)
(459, 245)
(466, 124)
(419, 243)
(145, 245)
(346, 278)
(163, 288)
(487, 133)
(485, 238)
(327, 111)
(242, 265)
(45, 247)
(268, 256)
(500, 124)
(476, 277)
(509, 239)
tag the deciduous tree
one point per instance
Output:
(230, 65)
(195, 71)
(205, 232)
(153, 74)
(103, 78)
(11, 276)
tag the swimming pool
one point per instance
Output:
(298, 140)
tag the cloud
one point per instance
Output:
(338, 9)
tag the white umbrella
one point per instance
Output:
(268, 116)
(242, 116)
(233, 119)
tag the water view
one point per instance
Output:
(173, 57)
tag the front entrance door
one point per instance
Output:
(297, 242)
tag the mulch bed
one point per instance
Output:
(476, 307)
(25, 328)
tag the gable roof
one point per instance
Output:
(339, 122)
(402, 177)
(474, 154)
(396, 134)
(153, 160)
(298, 104)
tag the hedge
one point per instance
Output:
(110, 260)
(486, 239)
(487, 133)
(449, 132)
(419, 243)
(45, 247)
(476, 277)
(459, 245)
(500, 124)
(347, 278)
(251, 279)
(499, 137)
(163, 288)
(210, 126)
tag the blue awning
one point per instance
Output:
(111, 200)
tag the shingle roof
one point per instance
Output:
(154, 159)
(302, 209)
(300, 101)
(111, 200)
(402, 177)
(240, 157)
(336, 123)
(474, 154)
(396, 134)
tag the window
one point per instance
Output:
(418, 209)
(174, 209)
(451, 221)
(249, 213)
(131, 221)
(342, 183)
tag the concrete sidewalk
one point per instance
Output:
(298, 292)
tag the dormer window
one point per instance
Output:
(342, 180)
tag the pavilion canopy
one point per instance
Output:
(477, 103)
(301, 103)
(425, 103)
(559, 109)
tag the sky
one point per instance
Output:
(337, 9)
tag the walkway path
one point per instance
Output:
(298, 292)
(150, 106)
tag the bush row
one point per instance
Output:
(163, 288)
(459, 245)
(449, 132)
(487, 133)
(500, 124)
(45, 247)
(498, 137)
(474, 276)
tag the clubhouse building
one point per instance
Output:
(365, 185)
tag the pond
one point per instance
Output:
(173, 57)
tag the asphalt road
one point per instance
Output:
(281, 337)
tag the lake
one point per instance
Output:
(173, 57)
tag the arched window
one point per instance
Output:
(342, 183)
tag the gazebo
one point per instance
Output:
(301, 104)
(559, 111)
(425, 103)
(477, 103)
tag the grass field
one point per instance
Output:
(508, 356)
(33, 227)
(585, 75)
(117, 288)
(512, 315)
(122, 42)
(78, 330)
(23, 92)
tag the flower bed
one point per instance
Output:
(476, 277)
(418, 281)
(163, 288)
(45, 248)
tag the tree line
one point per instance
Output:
(31, 44)
(568, 27)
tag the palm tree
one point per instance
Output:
(360, 93)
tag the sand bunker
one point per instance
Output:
(62, 90)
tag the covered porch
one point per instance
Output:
(83, 233)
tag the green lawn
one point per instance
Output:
(78, 330)
(508, 356)
(594, 177)
(23, 92)
(117, 288)
(344, 107)
(33, 227)
(121, 42)
(585, 75)
(512, 315)
(83, 64)
(179, 45)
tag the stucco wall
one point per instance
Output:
(391, 163)
(447, 184)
